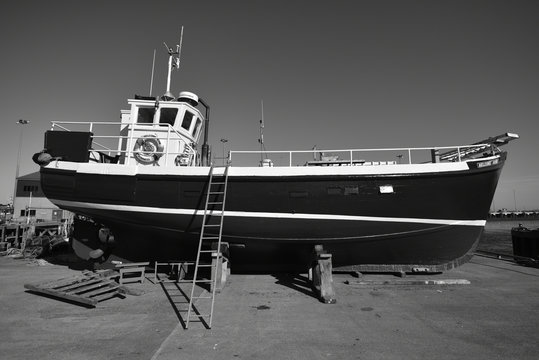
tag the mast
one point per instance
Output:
(173, 62)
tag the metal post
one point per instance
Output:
(20, 122)
(168, 145)
(129, 149)
(224, 141)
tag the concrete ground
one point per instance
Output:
(277, 317)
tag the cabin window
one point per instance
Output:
(145, 115)
(168, 116)
(298, 194)
(187, 119)
(30, 188)
(351, 190)
(25, 212)
(197, 126)
(335, 190)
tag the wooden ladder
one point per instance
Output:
(210, 232)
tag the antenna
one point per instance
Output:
(173, 62)
(153, 67)
(179, 49)
(261, 138)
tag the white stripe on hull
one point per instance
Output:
(304, 216)
(278, 171)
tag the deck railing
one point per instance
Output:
(356, 157)
(171, 135)
(123, 144)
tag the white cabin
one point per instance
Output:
(161, 133)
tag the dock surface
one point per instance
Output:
(278, 317)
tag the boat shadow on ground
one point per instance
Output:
(297, 282)
(70, 260)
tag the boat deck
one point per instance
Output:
(277, 317)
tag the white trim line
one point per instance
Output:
(278, 171)
(157, 210)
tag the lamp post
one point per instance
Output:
(224, 141)
(20, 122)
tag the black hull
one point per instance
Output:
(433, 219)
(437, 248)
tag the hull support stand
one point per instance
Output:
(220, 269)
(320, 273)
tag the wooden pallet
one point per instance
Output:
(88, 288)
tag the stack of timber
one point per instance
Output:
(89, 288)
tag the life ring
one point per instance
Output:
(148, 149)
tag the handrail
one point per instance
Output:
(459, 150)
(160, 126)
(457, 153)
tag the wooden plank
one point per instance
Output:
(409, 282)
(106, 296)
(138, 264)
(65, 281)
(132, 270)
(75, 298)
(93, 285)
(101, 290)
(59, 282)
(73, 288)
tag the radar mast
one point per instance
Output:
(173, 62)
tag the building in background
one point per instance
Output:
(31, 203)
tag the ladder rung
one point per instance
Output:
(210, 237)
(217, 183)
(202, 281)
(216, 192)
(205, 265)
(208, 251)
(211, 225)
(215, 202)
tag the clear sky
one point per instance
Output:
(338, 74)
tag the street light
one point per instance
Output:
(224, 141)
(20, 122)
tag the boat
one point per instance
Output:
(140, 194)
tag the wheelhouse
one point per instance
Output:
(161, 132)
